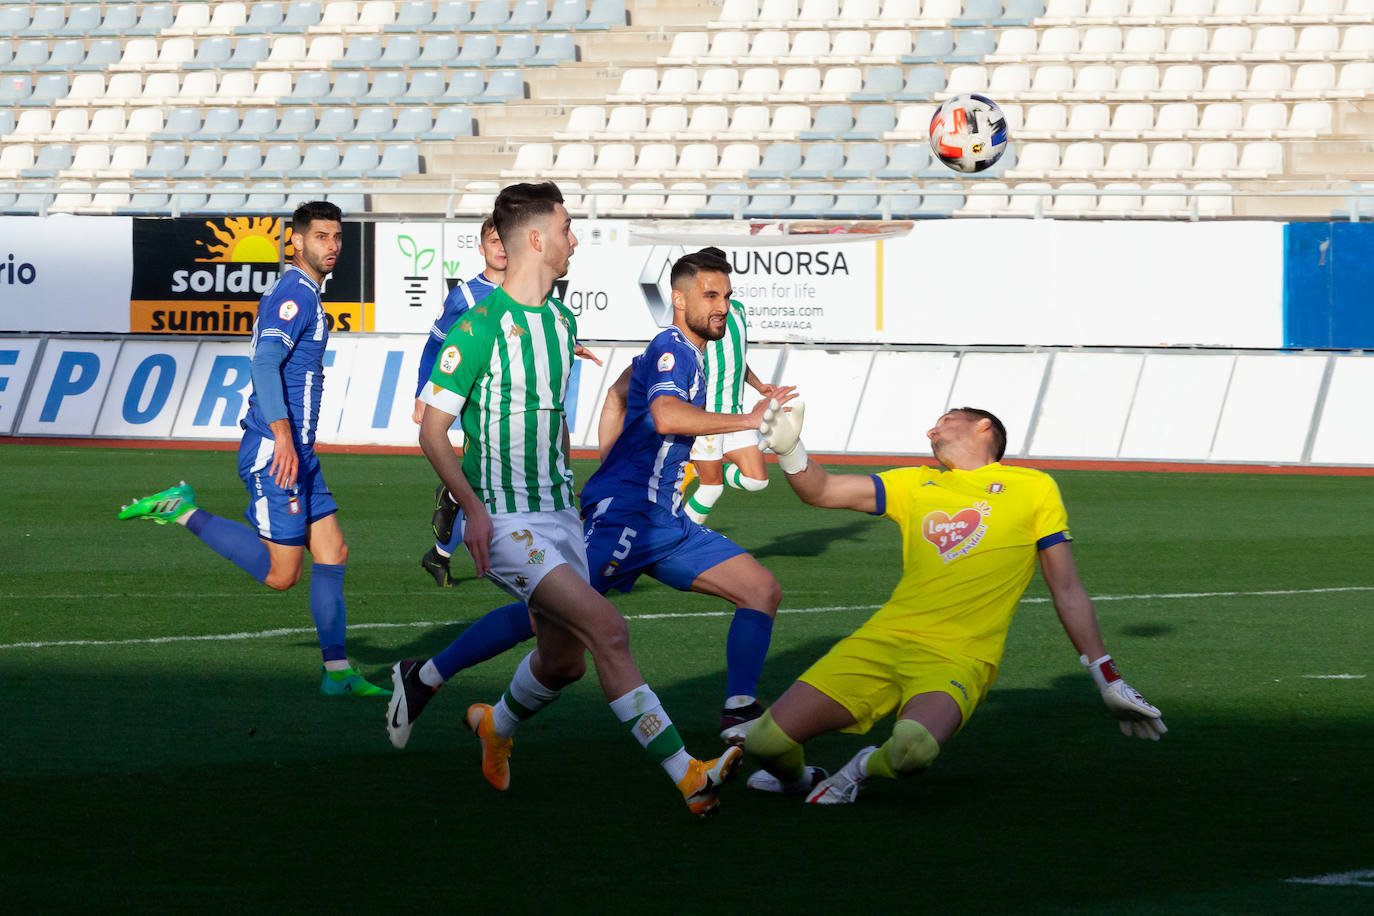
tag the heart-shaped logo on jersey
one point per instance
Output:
(947, 532)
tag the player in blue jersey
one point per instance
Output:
(461, 298)
(290, 507)
(633, 515)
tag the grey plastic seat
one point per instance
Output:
(265, 199)
(52, 158)
(476, 51)
(331, 124)
(428, 86)
(294, 124)
(905, 161)
(387, 87)
(146, 203)
(931, 47)
(516, 50)
(725, 199)
(217, 124)
(256, 124)
(1020, 13)
(881, 84)
(203, 160)
(241, 161)
(565, 14)
(319, 161)
(348, 88)
(359, 161)
(411, 16)
(399, 160)
(778, 161)
(864, 160)
(210, 54)
(450, 16)
(972, 46)
(82, 21)
(811, 201)
(822, 160)
(15, 88)
(400, 51)
(65, 55)
(829, 123)
(248, 52)
(310, 87)
(117, 21)
(362, 52)
(768, 200)
(164, 160)
(28, 55)
(921, 84)
(450, 122)
(300, 16)
(280, 160)
(554, 50)
(502, 86)
(463, 86)
(155, 18)
(371, 123)
(224, 197)
(871, 122)
(488, 14)
(410, 124)
(262, 18)
(99, 55)
(855, 200)
(604, 14)
(977, 13)
(526, 15)
(438, 51)
(45, 21)
(47, 89)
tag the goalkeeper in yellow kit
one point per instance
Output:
(971, 535)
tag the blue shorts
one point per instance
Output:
(627, 538)
(282, 516)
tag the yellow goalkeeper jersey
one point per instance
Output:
(969, 545)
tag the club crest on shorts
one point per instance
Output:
(536, 557)
(666, 363)
(293, 506)
(288, 310)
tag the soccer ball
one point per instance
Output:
(968, 133)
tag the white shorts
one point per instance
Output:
(716, 447)
(527, 546)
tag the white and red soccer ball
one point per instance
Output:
(968, 133)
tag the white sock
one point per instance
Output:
(739, 700)
(429, 675)
(439, 549)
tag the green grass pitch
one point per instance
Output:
(144, 771)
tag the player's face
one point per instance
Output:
(708, 302)
(493, 252)
(558, 240)
(319, 246)
(950, 429)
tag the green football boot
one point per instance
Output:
(164, 507)
(348, 682)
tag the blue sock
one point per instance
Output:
(455, 541)
(496, 632)
(745, 647)
(237, 543)
(327, 607)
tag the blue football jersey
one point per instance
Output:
(459, 299)
(643, 464)
(291, 312)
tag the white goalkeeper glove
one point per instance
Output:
(1136, 716)
(780, 433)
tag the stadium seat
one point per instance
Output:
(1212, 160)
(554, 50)
(1102, 43)
(987, 200)
(44, 22)
(502, 86)
(265, 198)
(822, 160)
(854, 200)
(1168, 160)
(696, 160)
(516, 50)
(612, 159)
(100, 54)
(154, 18)
(262, 18)
(932, 46)
(360, 160)
(203, 160)
(242, 160)
(779, 160)
(338, 15)
(706, 122)
(726, 199)
(300, 16)
(759, 84)
(374, 16)
(666, 122)
(1044, 121)
(398, 161)
(526, 15)
(209, 54)
(1133, 82)
(401, 51)
(363, 51)
(1010, 81)
(218, 123)
(768, 200)
(27, 55)
(1308, 120)
(487, 15)
(735, 13)
(1073, 198)
(319, 161)
(736, 161)
(881, 84)
(863, 160)
(70, 125)
(913, 122)
(564, 15)
(533, 159)
(25, 126)
(905, 161)
(872, 122)
(749, 121)
(294, 124)
(831, 121)
(967, 78)
(449, 16)
(1174, 121)
(1080, 160)
(44, 92)
(1036, 160)
(971, 46)
(1179, 82)
(280, 160)
(1130, 121)
(939, 199)
(257, 123)
(65, 55)
(1278, 42)
(1056, 44)
(682, 199)
(164, 160)
(978, 13)
(624, 123)
(330, 124)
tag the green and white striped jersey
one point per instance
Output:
(726, 363)
(504, 371)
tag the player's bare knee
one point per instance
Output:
(282, 579)
(912, 748)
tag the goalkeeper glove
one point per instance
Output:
(1136, 716)
(780, 433)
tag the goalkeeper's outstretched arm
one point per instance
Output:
(780, 433)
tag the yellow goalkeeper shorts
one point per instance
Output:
(874, 672)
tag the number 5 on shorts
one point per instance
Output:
(625, 546)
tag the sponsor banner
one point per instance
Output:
(216, 392)
(205, 276)
(146, 388)
(65, 273)
(410, 276)
(68, 387)
(16, 363)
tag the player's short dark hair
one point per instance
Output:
(312, 210)
(689, 265)
(999, 432)
(488, 225)
(517, 204)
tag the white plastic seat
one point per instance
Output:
(705, 122)
(1218, 121)
(1271, 81)
(736, 159)
(287, 51)
(1143, 43)
(777, 14)
(800, 84)
(106, 123)
(1263, 121)
(839, 84)
(665, 122)
(696, 160)
(1311, 81)
(337, 15)
(726, 48)
(584, 122)
(889, 47)
(1095, 81)
(190, 18)
(986, 204)
(768, 47)
(87, 160)
(1275, 42)
(675, 84)
(1083, 159)
(1211, 160)
(758, 84)
(1308, 120)
(1169, 159)
(1356, 81)
(1229, 42)
(913, 122)
(1087, 121)
(966, 78)
(636, 84)
(1015, 45)
(788, 122)
(1259, 159)
(847, 47)
(1057, 43)
(573, 160)
(735, 13)
(638, 204)
(1044, 121)
(1066, 204)
(1174, 121)
(1009, 81)
(746, 121)
(1227, 11)
(531, 159)
(1033, 199)
(1183, 11)
(939, 12)
(34, 123)
(1061, 12)
(69, 125)
(1117, 199)
(653, 160)
(1213, 205)
(1179, 81)
(1323, 42)
(1160, 204)
(687, 47)
(138, 54)
(718, 84)
(1100, 43)
(816, 12)
(1146, 12)
(625, 122)
(1357, 43)
(1105, 12)
(1034, 160)
(1276, 11)
(612, 160)
(1135, 82)
(1185, 43)
(1130, 121)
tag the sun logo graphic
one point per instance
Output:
(251, 239)
(955, 535)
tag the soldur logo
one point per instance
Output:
(12, 272)
(420, 260)
(249, 241)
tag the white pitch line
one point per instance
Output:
(294, 631)
(1335, 677)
